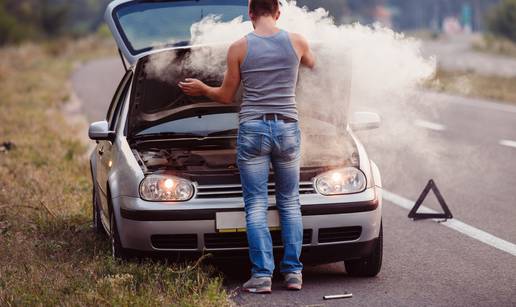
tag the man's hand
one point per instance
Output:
(193, 87)
(226, 92)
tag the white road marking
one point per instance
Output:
(508, 143)
(429, 125)
(455, 224)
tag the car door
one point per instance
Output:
(104, 150)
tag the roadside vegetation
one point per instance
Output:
(501, 21)
(501, 26)
(496, 45)
(472, 84)
(23, 20)
(49, 255)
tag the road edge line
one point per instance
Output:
(455, 224)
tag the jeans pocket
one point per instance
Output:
(249, 145)
(290, 144)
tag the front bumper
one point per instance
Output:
(319, 254)
(140, 220)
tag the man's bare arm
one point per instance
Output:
(226, 92)
(303, 50)
(308, 58)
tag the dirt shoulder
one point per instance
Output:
(49, 255)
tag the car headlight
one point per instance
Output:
(341, 181)
(166, 188)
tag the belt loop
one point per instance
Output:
(275, 117)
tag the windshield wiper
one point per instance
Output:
(167, 134)
(229, 132)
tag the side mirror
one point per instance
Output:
(99, 131)
(364, 121)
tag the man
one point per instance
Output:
(267, 62)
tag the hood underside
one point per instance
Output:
(157, 98)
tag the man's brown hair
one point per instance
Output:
(263, 7)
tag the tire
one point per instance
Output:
(117, 251)
(96, 222)
(368, 266)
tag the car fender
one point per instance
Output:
(125, 175)
(93, 167)
(376, 175)
(378, 187)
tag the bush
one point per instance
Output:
(501, 20)
(10, 28)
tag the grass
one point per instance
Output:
(49, 255)
(473, 84)
(495, 45)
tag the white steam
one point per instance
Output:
(355, 63)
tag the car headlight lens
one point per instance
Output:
(341, 181)
(166, 188)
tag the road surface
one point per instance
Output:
(456, 53)
(468, 147)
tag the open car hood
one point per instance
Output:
(157, 99)
(141, 27)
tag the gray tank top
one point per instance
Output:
(269, 77)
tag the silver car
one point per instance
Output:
(164, 174)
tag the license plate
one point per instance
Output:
(235, 221)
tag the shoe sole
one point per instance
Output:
(294, 287)
(258, 290)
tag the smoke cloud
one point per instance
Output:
(354, 62)
(366, 65)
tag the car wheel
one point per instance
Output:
(117, 251)
(368, 266)
(96, 221)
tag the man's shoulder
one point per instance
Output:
(241, 43)
(238, 49)
(298, 38)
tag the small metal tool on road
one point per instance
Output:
(337, 296)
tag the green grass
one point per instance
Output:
(473, 84)
(49, 255)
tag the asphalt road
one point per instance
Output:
(456, 53)
(467, 146)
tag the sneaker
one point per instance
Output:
(258, 285)
(293, 281)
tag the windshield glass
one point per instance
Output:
(149, 24)
(223, 124)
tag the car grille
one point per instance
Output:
(239, 239)
(180, 241)
(235, 190)
(339, 234)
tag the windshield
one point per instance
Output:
(149, 24)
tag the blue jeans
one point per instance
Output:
(260, 143)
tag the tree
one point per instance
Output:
(42, 19)
(501, 20)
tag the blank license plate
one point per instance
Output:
(235, 221)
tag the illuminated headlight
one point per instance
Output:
(341, 181)
(166, 188)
